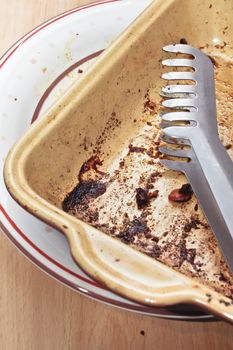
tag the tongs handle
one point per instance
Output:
(212, 169)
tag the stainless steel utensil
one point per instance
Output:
(193, 123)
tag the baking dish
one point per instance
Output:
(43, 166)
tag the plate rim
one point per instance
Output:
(133, 307)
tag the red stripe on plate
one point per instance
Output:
(17, 229)
(38, 29)
(11, 222)
(58, 79)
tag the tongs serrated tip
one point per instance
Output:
(190, 119)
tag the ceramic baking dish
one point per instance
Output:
(42, 167)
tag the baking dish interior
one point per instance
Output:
(102, 113)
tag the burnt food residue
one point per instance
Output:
(183, 194)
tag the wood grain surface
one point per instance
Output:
(36, 312)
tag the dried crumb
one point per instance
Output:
(183, 194)
(183, 41)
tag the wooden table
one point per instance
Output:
(39, 313)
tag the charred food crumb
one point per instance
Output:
(193, 223)
(155, 239)
(222, 277)
(186, 254)
(186, 189)
(149, 106)
(136, 149)
(183, 194)
(132, 229)
(224, 302)
(183, 41)
(155, 252)
(153, 153)
(153, 194)
(122, 163)
(143, 197)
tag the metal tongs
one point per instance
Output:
(193, 123)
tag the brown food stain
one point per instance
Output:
(82, 193)
(143, 197)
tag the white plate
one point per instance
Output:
(34, 73)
